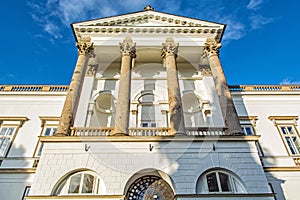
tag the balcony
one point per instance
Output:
(148, 131)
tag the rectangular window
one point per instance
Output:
(48, 131)
(7, 134)
(247, 129)
(291, 138)
(49, 128)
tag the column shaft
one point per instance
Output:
(227, 107)
(85, 48)
(123, 105)
(169, 53)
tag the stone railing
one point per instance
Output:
(149, 131)
(94, 131)
(204, 131)
(34, 88)
(263, 88)
(146, 131)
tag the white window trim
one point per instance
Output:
(14, 122)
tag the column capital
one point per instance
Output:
(211, 48)
(127, 47)
(85, 47)
(169, 48)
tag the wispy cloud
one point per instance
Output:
(258, 21)
(254, 4)
(55, 16)
(288, 81)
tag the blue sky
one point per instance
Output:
(260, 45)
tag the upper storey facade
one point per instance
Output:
(151, 70)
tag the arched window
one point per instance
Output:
(149, 187)
(219, 181)
(84, 182)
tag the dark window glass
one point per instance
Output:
(88, 183)
(224, 180)
(212, 182)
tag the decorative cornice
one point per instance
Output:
(169, 48)
(219, 138)
(151, 30)
(127, 47)
(211, 47)
(206, 72)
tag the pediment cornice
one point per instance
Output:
(148, 21)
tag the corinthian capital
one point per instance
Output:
(85, 46)
(169, 48)
(211, 48)
(127, 47)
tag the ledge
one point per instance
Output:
(223, 195)
(282, 169)
(17, 170)
(76, 197)
(179, 138)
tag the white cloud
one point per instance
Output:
(287, 81)
(235, 30)
(254, 4)
(258, 21)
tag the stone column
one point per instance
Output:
(169, 54)
(85, 51)
(211, 49)
(127, 49)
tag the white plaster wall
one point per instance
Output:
(31, 106)
(264, 105)
(116, 162)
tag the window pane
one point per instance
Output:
(290, 144)
(296, 143)
(290, 130)
(212, 182)
(3, 130)
(284, 130)
(74, 184)
(10, 131)
(225, 184)
(88, 183)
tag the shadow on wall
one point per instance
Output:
(14, 185)
(274, 182)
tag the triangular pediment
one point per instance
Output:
(148, 18)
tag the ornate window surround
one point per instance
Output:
(287, 128)
(11, 122)
(47, 124)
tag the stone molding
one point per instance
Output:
(206, 72)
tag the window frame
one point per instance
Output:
(233, 181)
(10, 122)
(46, 122)
(284, 136)
(64, 185)
(287, 121)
